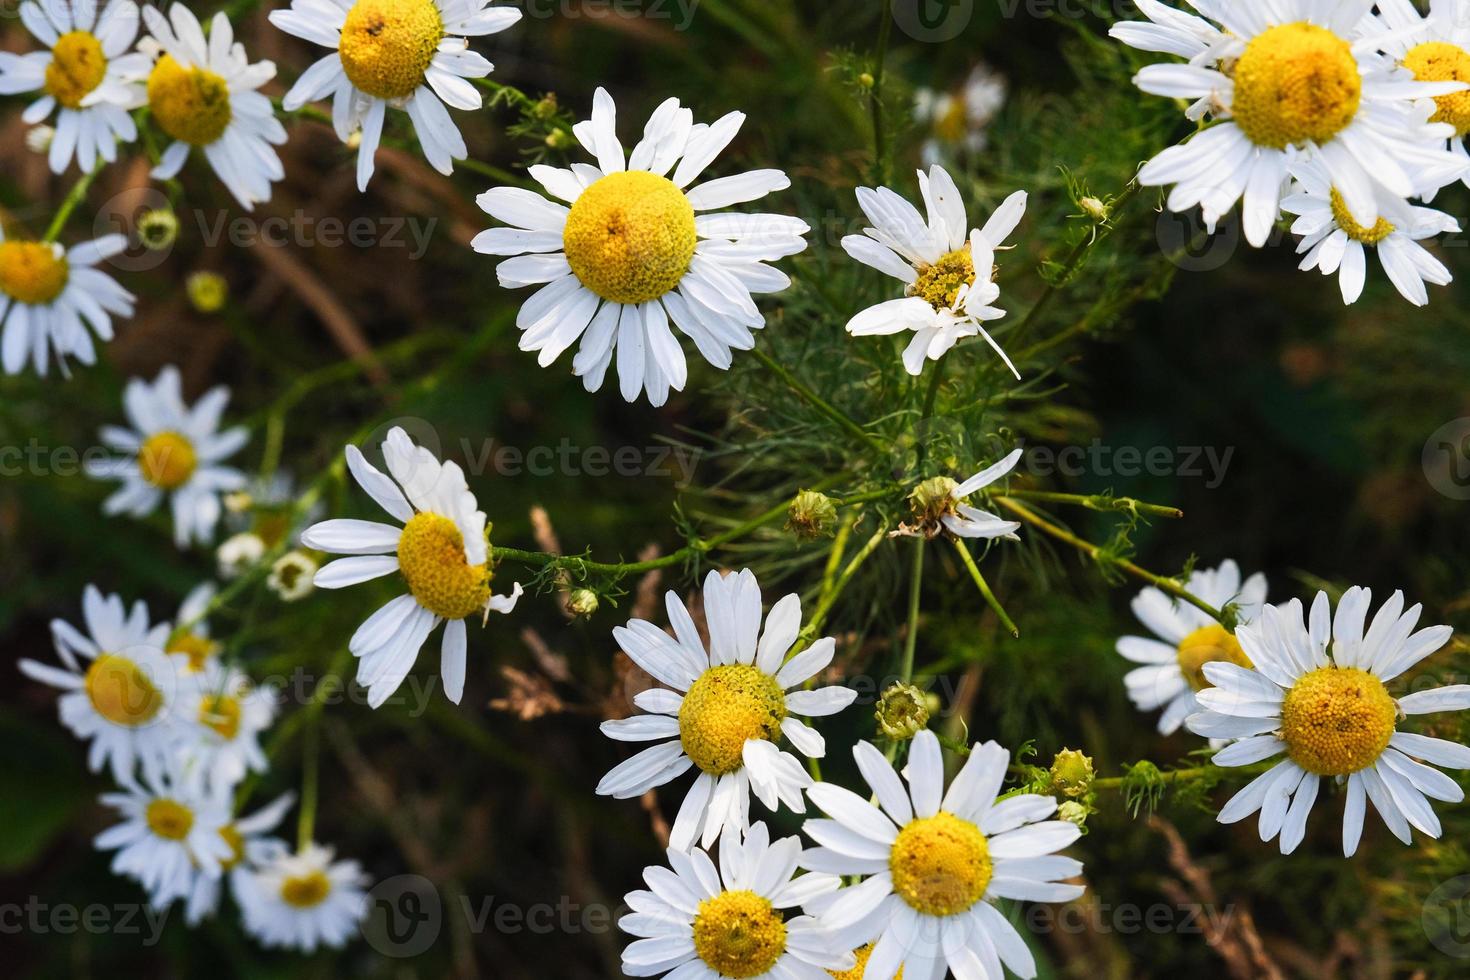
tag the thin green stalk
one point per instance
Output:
(310, 765)
(1098, 502)
(830, 596)
(880, 60)
(819, 403)
(984, 587)
(911, 636)
(74, 197)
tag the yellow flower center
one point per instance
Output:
(856, 973)
(954, 123)
(1344, 218)
(1208, 645)
(387, 45)
(190, 104)
(167, 460)
(306, 891)
(237, 846)
(1337, 720)
(121, 692)
(221, 712)
(630, 236)
(739, 934)
(940, 864)
(33, 273)
(431, 557)
(1439, 61)
(77, 67)
(1294, 83)
(726, 707)
(170, 819)
(199, 649)
(939, 284)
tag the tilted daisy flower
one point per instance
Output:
(1333, 242)
(190, 641)
(1301, 80)
(1317, 694)
(202, 93)
(50, 296)
(637, 247)
(171, 829)
(223, 714)
(442, 552)
(699, 923)
(939, 505)
(301, 900)
(174, 451)
(1436, 48)
(947, 269)
(728, 708)
(936, 860)
(249, 843)
(1188, 638)
(409, 54)
(88, 77)
(126, 699)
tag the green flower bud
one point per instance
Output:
(582, 602)
(208, 291)
(903, 712)
(811, 515)
(1073, 812)
(1071, 773)
(158, 229)
(933, 498)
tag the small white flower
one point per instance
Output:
(222, 716)
(959, 120)
(239, 554)
(1316, 693)
(728, 708)
(175, 451)
(946, 268)
(291, 576)
(301, 901)
(442, 553)
(249, 845)
(191, 643)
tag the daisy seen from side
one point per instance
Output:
(941, 506)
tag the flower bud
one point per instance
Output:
(1095, 209)
(208, 291)
(238, 554)
(158, 229)
(582, 602)
(811, 515)
(1073, 812)
(903, 712)
(292, 576)
(1071, 773)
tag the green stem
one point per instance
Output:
(1098, 502)
(830, 596)
(74, 197)
(880, 135)
(984, 587)
(911, 636)
(819, 403)
(310, 764)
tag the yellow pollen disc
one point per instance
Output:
(77, 67)
(1344, 218)
(1294, 83)
(237, 846)
(387, 45)
(1337, 720)
(190, 104)
(1438, 61)
(856, 973)
(738, 934)
(431, 557)
(630, 237)
(33, 273)
(1207, 645)
(167, 460)
(197, 648)
(726, 707)
(306, 891)
(121, 692)
(939, 284)
(940, 864)
(221, 712)
(955, 122)
(169, 819)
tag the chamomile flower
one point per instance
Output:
(728, 708)
(190, 641)
(202, 94)
(940, 505)
(1316, 693)
(50, 296)
(1297, 78)
(301, 900)
(88, 77)
(1333, 242)
(1188, 638)
(249, 843)
(222, 716)
(1176, 32)
(1436, 48)
(957, 121)
(409, 54)
(637, 247)
(442, 553)
(175, 452)
(126, 698)
(291, 576)
(936, 860)
(948, 270)
(171, 829)
(699, 923)
(238, 554)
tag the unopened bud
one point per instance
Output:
(1095, 209)
(582, 602)
(1071, 773)
(208, 291)
(902, 712)
(811, 515)
(158, 229)
(546, 108)
(1073, 812)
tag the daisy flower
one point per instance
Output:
(202, 94)
(171, 829)
(1171, 31)
(947, 270)
(959, 119)
(442, 553)
(301, 900)
(936, 860)
(1316, 693)
(49, 296)
(728, 708)
(1188, 638)
(88, 77)
(697, 923)
(638, 247)
(190, 640)
(125, 700)
(1334, 242)
(175, 452)
(1436, 48)
(224, 715)
(249, 843)
(1301, 81)
(939, 505)
(410, 54)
